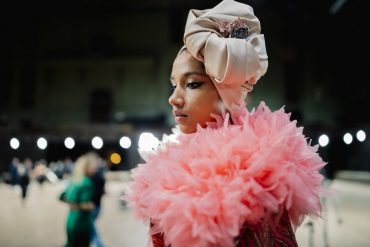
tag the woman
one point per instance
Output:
(230, 178)
(79, 195)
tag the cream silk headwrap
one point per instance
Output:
(230, 62)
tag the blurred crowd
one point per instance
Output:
(84, 186)
(21, 172)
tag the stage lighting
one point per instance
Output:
(97, 142)
(115, 158)
(14, 143)
(125, 142)
(147, 141)
(42, 143)
(347, 138)
(323, 140)
(361, 135)
(69, 142)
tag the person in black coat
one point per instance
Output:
(24, 176)
(99, 190)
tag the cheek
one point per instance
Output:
(205, 104)
(212, 103)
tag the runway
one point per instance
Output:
(39, 221)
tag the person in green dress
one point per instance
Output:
(78, 195)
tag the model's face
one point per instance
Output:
(194, 96)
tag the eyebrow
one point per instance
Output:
(190, 74)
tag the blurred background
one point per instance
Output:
(93, 75)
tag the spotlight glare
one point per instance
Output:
(69, 142)
(42, 143)
(115, 158)
(125, 142)
(147, 141)
(14, 143)
(361, 135)
(97, 142)
(323, 140)
(347, 138)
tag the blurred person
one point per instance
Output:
(40, 172)
(68, 167)
(79, 195)
(14, 176)
(99, 190)
(58, 168)
(228, 177)
(24, 176)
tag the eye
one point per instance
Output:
(172, 88)
(194, 85)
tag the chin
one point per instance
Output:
(186, 129)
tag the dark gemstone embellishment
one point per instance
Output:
(240, 33)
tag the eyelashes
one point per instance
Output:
(194, 85)
(190, 85)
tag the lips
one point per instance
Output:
(179, 114)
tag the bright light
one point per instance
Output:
(42, 143)
(69, 142)
(14, 143)
(97, 142)
(361, 135)
(125, 142)
(323, 140)
(347, 138)
(115, 158)
(147, 141)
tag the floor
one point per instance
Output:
(39, 221)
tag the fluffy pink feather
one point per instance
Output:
(202, 188)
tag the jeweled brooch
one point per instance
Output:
(236, 29)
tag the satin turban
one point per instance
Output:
(227, 40)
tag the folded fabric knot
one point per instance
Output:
(227, 40)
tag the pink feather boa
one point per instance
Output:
(202, 188)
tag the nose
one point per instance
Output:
(176, 98)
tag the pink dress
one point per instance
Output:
(248, 183)
(259, 235)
